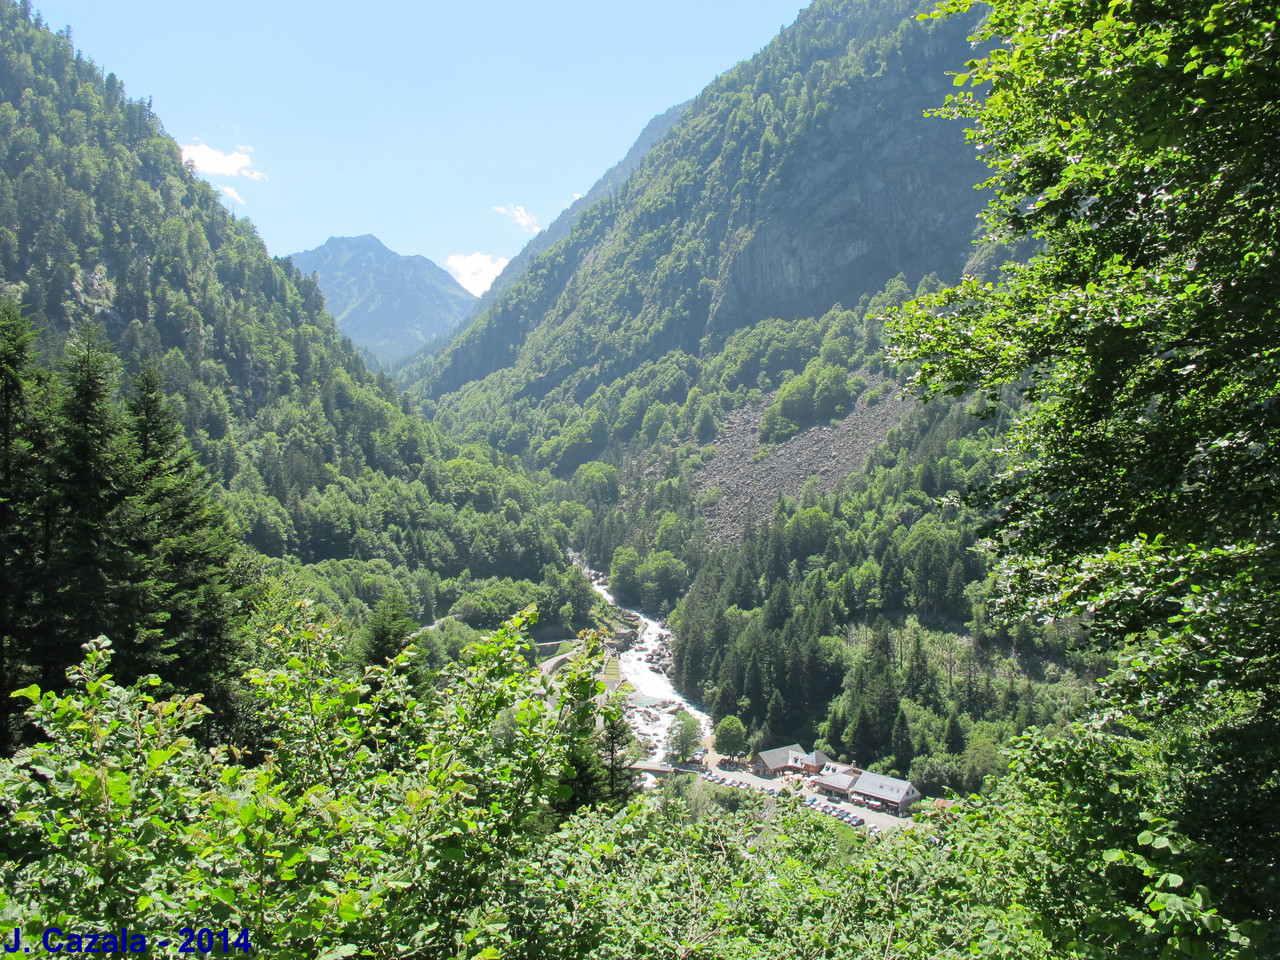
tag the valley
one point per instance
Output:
(338, 604)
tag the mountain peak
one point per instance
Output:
(386, 303)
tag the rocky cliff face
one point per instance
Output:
(877, 192)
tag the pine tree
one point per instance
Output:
(17, 526)
(90, 567)
(616, 743)
(918, 679)
(586, 778)
(106, 525)
(860, 739)
(388, 629)
(954, 737)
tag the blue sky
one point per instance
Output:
(445, 129)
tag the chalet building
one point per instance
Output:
(836, 784)
(776, 762)
(815, 762)
(873, 789)
(791, 759)
(844, 780)
(829, 769)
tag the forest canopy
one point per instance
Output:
(1131, 141)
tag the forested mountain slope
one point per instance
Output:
(711, 283)
(561, 226)
(412, 370)
(314, 459)
(804, 177)
(386, 303)
(1134, 501)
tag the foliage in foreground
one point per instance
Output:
(389, 821)
(373, 823)
(1131, 141)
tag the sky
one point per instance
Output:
(451, 130)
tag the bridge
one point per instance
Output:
(654, 767)
(659, 769)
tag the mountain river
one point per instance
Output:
(654, 702)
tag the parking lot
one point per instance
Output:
(746, 780)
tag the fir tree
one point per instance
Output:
(387, 630)
(183, 543)
(903, 749)
(91, 567)
(954, 737)
(17, 527)
(616, 743)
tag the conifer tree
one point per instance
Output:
(388, 628)
(17, 471)
(903, 749)
(916, 683)
(182, 545)
(860, 738)
(954, 737)
(91, 568)
(617, 747)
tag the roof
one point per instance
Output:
(840, 782)
(880, 787)
(832, 768)
(816, 759)
(779, 756)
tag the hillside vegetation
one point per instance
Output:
(619, 380)
(314, 459)
(796, 181)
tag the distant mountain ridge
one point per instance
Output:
(386, 303)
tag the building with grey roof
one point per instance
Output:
(896, 795)
(779, 760)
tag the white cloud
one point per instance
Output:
(577, 196)
(208, 160)
(475, 271)
(522, 218)
(230, 193)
